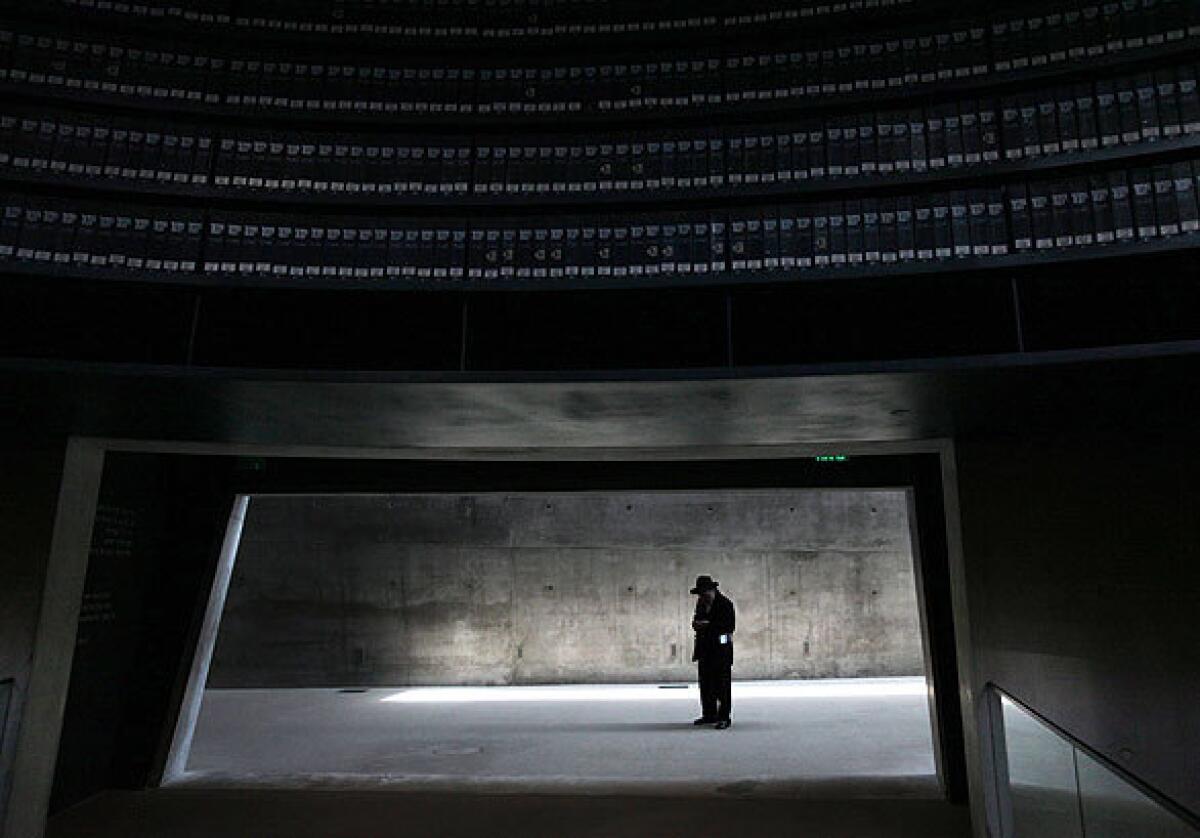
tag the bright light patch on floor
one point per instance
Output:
(840, 688)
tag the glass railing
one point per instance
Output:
(1048, 785)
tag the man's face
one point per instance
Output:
(709, 595)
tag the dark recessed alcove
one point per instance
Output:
(1112, 303)
(597, 330)
(874, 319)
(55, 319)
(367, 330)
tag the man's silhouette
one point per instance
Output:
(713, 652)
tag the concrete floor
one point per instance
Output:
(808, 759)
(195, 813)
(866, 737)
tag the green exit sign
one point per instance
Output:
(831, 458)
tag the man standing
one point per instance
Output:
(713, 652)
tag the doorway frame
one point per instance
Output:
(40, 730)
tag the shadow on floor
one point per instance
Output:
(628, 727)
(210, 813)
(824, 788)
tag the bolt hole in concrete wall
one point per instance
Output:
(565, 588)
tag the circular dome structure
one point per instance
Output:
(814, 181)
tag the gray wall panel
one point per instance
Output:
(465, 589)
(29, 485)
(1082, 560)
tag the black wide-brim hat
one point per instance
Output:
(704, 583)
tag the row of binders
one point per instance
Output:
(1043, 215)
(104, 149)
(1128, 110)
(475, 19)
(830, 68)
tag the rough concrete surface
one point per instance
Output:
(565, 587)
(193, 813)
(869, 735)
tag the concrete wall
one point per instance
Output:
(1082, 562)
(565, 587)
(1098, 634)
(29, 480)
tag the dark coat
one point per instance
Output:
(721, 620)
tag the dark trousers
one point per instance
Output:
(715, 688)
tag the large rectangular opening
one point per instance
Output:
(168, 529)
(544, 640)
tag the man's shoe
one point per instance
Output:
(724, 723)
(703, 721)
